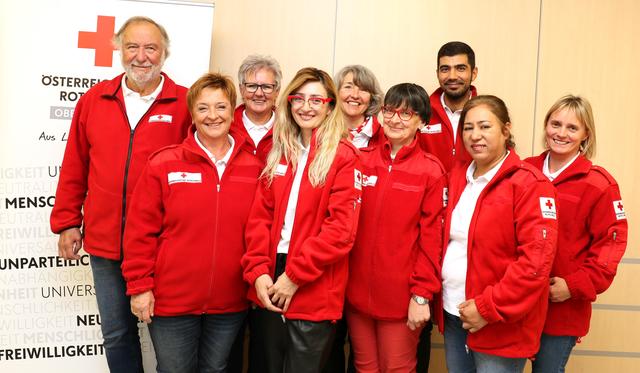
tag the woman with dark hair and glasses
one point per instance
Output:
(500, 239)
(302, 226)
(394, 265)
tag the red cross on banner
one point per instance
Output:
(100, 40)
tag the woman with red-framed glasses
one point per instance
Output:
(302, 226)
(394, 264)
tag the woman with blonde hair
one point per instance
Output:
(592, 228)
(302, 226)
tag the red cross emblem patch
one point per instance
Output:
(618, 208)
(548, 207)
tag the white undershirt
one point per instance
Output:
(221, 164)
(257, 131)
(454, 116)
(454, 266)
(137, 105)
(292, 204)
(553, 175)
(361, 139)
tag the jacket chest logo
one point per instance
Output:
(184, 177)
(369, 181)
(431, 129)
(281, 169)
(161, 118)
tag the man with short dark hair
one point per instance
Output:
(456, 71)
(116, 125)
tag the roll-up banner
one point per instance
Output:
(52, 53)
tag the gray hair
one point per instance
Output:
(117, 38)
(255, 62)
(366, 81)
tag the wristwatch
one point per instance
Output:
(420, 300)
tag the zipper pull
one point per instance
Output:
(390, 168)
(454, 151)
(218, 186)
(544, 234)
(615, 234)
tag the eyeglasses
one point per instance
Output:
(253, 87)
(403, 114)
(296, 100)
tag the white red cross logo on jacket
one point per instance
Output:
(548, 207)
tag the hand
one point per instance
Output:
(282, 291)
(472, 320)
(262, 284)
(142, 305)
(558, 290)
(69, 243)
(418, 315)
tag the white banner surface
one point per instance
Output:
(53, 52)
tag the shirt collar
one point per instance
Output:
(446, 108)
(128, 92)
(488, 175)
(250, 126)
(227, 155)
(554, 175)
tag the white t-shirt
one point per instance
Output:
(221, 164)
(257, 131)
(361, 139)
(137, 105)
(454, 266)
(553, 175)
(292, 203)
(454, 116)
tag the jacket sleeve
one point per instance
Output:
(74, 175)
(338, 230)
(256, 260)
(142, 232)
(425, 279)
(526, 280)
(608, 243)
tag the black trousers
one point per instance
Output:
(286, 345)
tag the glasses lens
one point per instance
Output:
(267, 88)
(251, 87)
(387, 113)
(406, 114)
(315, 101)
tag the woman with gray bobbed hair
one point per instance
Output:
(361, 99)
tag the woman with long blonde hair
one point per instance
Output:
(302, 226)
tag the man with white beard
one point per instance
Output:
(116, 125)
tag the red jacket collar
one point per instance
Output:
(580, 166)
(190, 144)
(404, 152)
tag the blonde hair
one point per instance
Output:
(286, 130)
(581, 107)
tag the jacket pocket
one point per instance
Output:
(407, 187)
(613, 250)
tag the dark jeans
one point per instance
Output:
(554, 353)
(194, 343)
(119, 326)
(461, 359)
